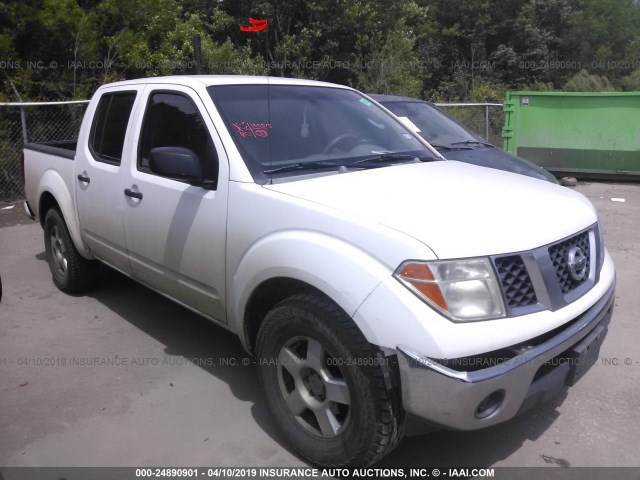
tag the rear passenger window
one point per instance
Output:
(110, 126)
(173, 120)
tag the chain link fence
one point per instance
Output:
(485, 119)
(53, 122)
(47, 122)
(10, 145)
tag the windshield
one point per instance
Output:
(290, 129)
(435, 126)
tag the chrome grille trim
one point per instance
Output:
(538, 280)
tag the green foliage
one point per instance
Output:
(542, 87)
(87, 45)
(487, 91)
(631, 82)
(601, 32)
(385, 60)
(445, 50)
(584, 81)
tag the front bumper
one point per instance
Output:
(468, 400)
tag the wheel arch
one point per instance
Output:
(47, 202)
(55, 194)
(289, 263)
(266, 296)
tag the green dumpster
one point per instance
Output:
(577, 133)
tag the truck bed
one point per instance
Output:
(50, 160)
(64, 148)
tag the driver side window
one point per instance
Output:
(173, 120)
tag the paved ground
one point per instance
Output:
(104, 379)
(12, 213)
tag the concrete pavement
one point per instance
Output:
(125, 377)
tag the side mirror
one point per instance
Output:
(176, 162)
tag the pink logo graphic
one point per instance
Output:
(257, 25)
(255, 130)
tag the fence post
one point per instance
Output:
(23, 121)
(486, 123)
(197, 50)
(23, 117)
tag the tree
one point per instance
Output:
(384, 59)
(584, 81)
(442, 49)
(155, 37)
(528, 53)
(601, 34)
(631, 83)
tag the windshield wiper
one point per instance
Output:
(374, 161)
(473, 142)
(439, 146)
(391, 157)
(302, 166)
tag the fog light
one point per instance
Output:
(490, 404)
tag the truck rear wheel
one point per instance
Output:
(71, 272)
(324, 384)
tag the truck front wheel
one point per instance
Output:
(70, 271)
(324, 384)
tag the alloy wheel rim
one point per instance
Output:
(59, 252)
(313, 387)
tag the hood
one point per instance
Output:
(496, 158)
(456, 209)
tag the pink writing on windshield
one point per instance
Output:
(247, 129)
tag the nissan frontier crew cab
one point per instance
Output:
(371, 278)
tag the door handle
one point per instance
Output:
(84, 178)
(130, 193)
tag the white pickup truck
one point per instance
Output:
(372, 279)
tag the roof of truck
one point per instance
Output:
(394, 98)
(208, 80)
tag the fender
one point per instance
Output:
(53, 183)
(341, 270)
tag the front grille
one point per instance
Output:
(516, 283)
(539, 279)
(558, 254)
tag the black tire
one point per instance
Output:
(358, 428)
(71, 272)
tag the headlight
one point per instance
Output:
(463, 290)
